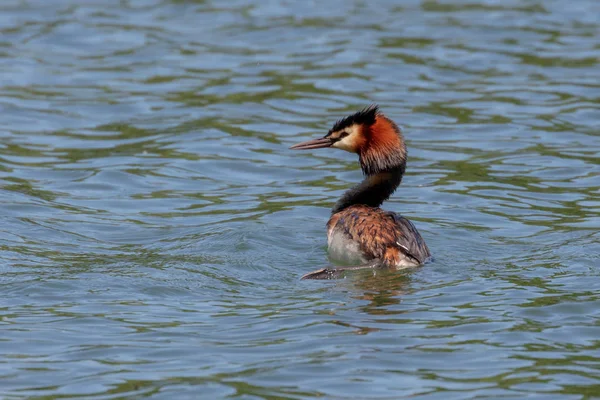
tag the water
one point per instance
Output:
(154, 224)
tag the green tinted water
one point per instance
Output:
(155, 225)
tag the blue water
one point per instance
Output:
(154, 224)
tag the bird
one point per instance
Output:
(359, 233)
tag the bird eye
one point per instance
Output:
(344, 134)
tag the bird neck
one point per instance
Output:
(373, 190)
(383, 161)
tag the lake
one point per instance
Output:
(155, 225)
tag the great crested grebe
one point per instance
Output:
(359, 232)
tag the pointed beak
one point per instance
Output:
(313, 144)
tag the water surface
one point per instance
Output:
(154, 224)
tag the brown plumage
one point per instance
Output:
(383, 235)
(358, 228)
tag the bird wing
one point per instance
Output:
(409, 239)
(377, 232)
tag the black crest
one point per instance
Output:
(365, 116)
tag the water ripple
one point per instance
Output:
(155, 226)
